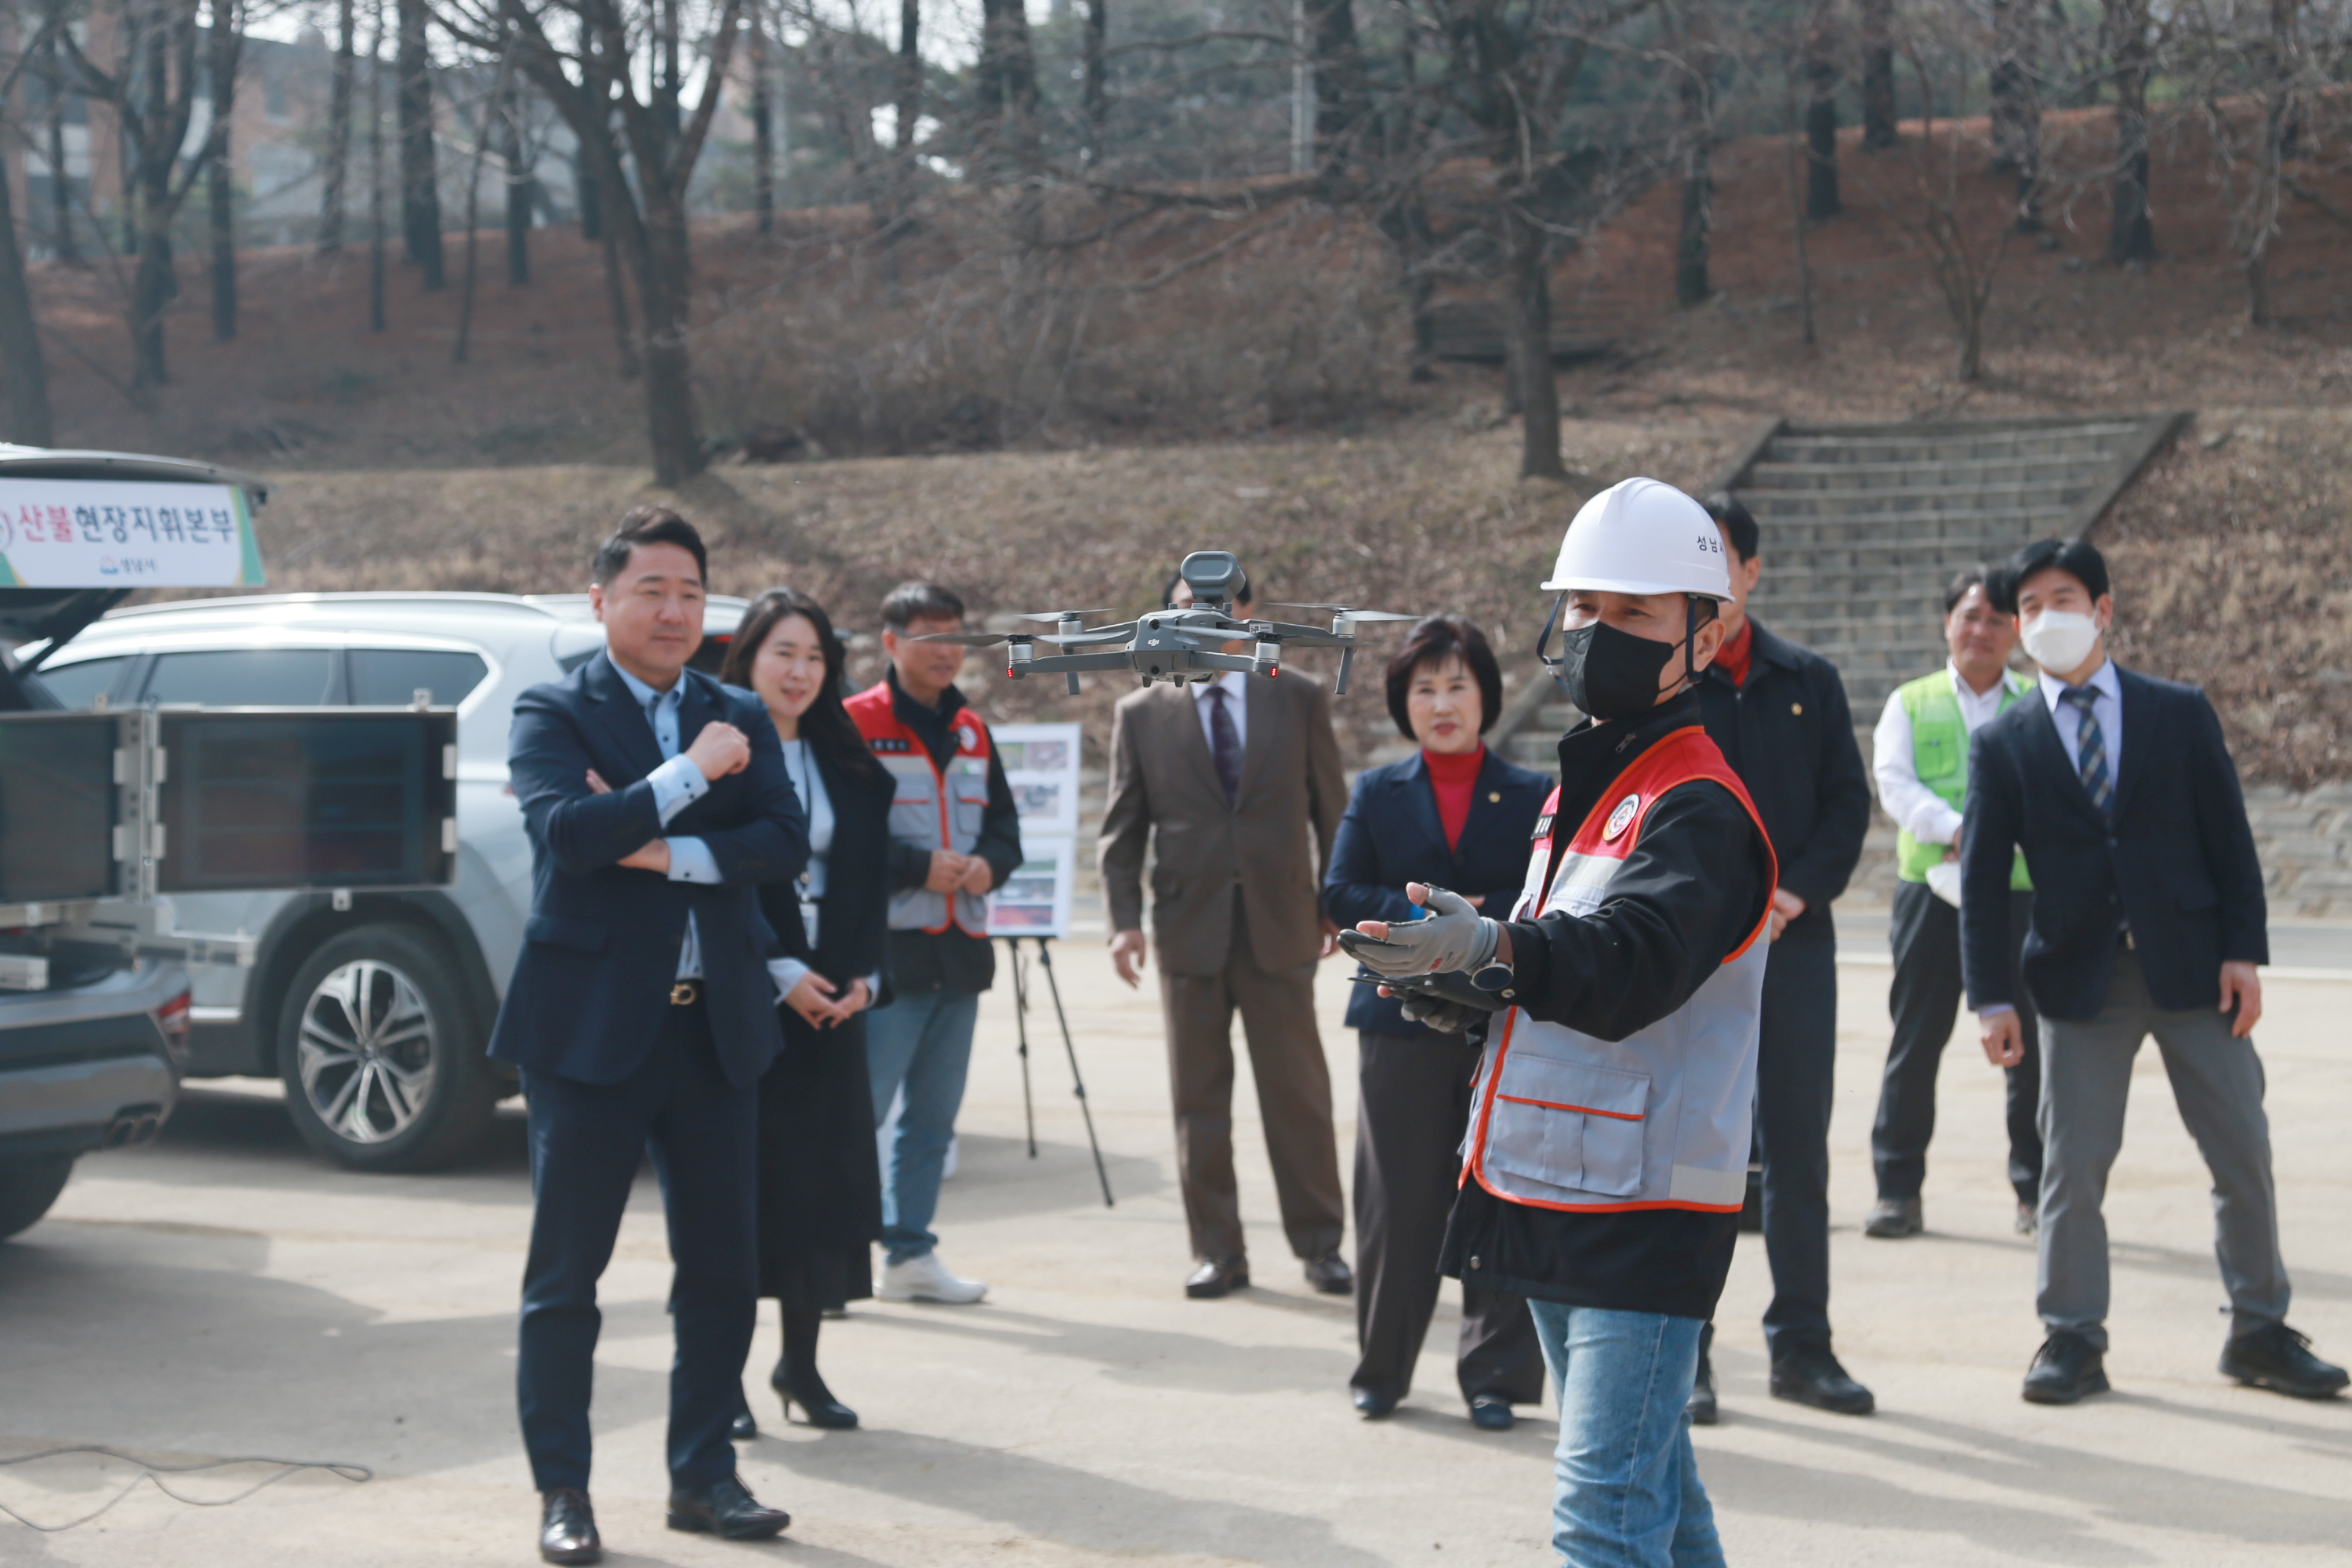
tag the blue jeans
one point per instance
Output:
(922, 1043)
(1627, 1492)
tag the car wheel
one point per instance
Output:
(381, 1055)
(27, 1188)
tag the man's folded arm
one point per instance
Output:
(547, 768)
(771, 845)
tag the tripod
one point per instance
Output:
(1021, 1029)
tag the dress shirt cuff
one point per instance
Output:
(690, 860)
(1935, 823)
(1995, 1009)
(787, 973)
(678, 783)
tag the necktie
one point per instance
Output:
(1225, 743)
(2091, 748)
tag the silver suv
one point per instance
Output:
(373, 1009)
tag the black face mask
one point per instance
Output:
(1610, 674)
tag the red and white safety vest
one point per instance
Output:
(1564, 1120)
(931, 810)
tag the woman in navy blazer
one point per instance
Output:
(1458, 815)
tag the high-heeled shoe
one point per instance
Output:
(816, 1402)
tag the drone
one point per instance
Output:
(1178, 646)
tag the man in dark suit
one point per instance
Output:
(1778, 712)
(1235, 785)
(2148, 919)
(641, 1014)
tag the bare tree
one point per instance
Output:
(516, 151)
(55, 84)
(1821, 113)
(227, 38)
(2016, 88)
(2131, 235)
(338, 155)
(1878, 116)
(153, 89)
(24, 415)
(420, 190)
(627, 67)
(763, 118)
(1690, 54)
(376, 322)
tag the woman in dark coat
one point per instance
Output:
(820, 1184)
(1458, 816)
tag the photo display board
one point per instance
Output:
(294, 798)
(126, 533)
(1041, 765)
(58, 807)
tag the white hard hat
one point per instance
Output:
(1642, 536)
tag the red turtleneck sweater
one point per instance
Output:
(1454, 779)
(1732, 659)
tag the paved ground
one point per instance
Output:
(225, 1294)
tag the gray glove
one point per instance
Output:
(1451, 936)
(1437, 1013)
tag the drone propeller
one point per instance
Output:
(1051, 616)
(973, 639)
(1352, 615)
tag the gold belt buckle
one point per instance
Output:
(685, 993)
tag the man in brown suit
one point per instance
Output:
(1239, 779)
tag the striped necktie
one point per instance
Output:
(2091, 748)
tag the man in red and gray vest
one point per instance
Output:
(955, 837)
(1607, 1150)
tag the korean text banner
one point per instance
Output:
(113, 533)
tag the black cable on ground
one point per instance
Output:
(155, 1473)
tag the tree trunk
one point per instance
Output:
(522, 185)
(1094, 99)
(590, 198)
(420, 194)
(1341, 110)
(2279, 132)
(661, 272)
(1529, 282)
(1007, 77)
(338, 155)
(1821, 117)
(2131, 235)
(153, 283)
(24, 375)
(220, 196)
(763, 123)
(61, 228)
(1693, 66)
(616, 298)
(375, 175)
(1878, 115)
(1796, 227)
(2017, 103)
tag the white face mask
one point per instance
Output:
(2059, 640)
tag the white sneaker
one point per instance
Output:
(926, 1278)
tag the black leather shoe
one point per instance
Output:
(1372, 1404)
(1491, 1413)
(1810, 1374)
(2279, 1359)
(1220, 1277)
(724, 1508)
(816, 1402)
(2065, 1368)
(742, 1429)
(1700, 1406)
(567, 1528)
(2029, 1218)
(1891, 1217)
(1328, 1273)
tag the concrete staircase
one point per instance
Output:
(1864, 524)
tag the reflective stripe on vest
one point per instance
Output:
(1939, 760)
(931, 809)
(1661, 1119)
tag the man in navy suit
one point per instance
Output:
(2148, 919)
(641, 1014)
